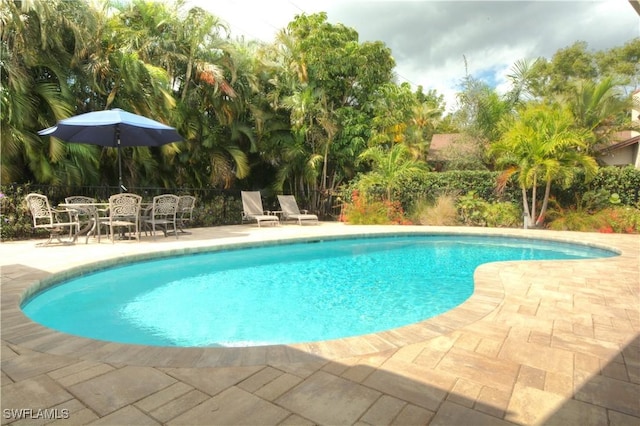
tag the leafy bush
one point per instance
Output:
(623, 181)
(472, 209)
(15, 219)
(414, 192)
(432, 185)
(503, 215)
(595, 211)
(575, 220)
(624, 220)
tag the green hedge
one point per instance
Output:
(623, 181)
(459, 182)
(215, 207)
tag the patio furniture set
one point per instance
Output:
(80, 215)
(126, 216)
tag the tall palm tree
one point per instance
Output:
(542, 146)
(40, 42)
(126, 69)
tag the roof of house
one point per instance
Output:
(621, 144)
(443, 145)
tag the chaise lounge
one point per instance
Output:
(252, 209)
(290, 210)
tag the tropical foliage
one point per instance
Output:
(539, 146)
(304, 114)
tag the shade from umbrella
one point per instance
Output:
(113, 128)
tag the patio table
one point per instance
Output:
(93, 209)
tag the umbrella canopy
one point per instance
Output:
(113, 128)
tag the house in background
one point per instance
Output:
(454, 150)
(625, 149)
(457, 151)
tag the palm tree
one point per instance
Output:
(598, 107)
(422, 125)
(389, 168)
(39, 44)
(127, 76)
(541, 146)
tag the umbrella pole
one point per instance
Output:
(120, 184)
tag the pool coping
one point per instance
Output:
(488, 295)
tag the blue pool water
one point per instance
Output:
(282, 293)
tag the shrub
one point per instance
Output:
(15, 219)
(361, 211)
(618, 219)
(623, 181)
(614, 219)
(442, 212)
(472, 209)
(574, 220)
(503, 215)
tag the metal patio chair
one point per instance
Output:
(161, 213)
(57, 221)
(124, 211)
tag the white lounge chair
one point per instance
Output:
(252, 209)
(290, 210)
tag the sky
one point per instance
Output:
(430, 40)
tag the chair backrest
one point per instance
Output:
(124, 205)
(186, 205)
(288, 204)
(40, 209)
(252, 203)
(165, 205)
(79, 199)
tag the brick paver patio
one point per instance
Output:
(553, 342)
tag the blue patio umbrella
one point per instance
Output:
(113, 128)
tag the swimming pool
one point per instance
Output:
(283, 293)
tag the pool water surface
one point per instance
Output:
(284, 293)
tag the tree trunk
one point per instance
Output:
(533, 199)
(525, 206)
(545, 202)
(187, 79)
(325, 159)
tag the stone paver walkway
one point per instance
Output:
(553, 342)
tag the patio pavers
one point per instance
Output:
(36, 392)
(115, 389)
(233, 406)
(539, 342)
(327, 399)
